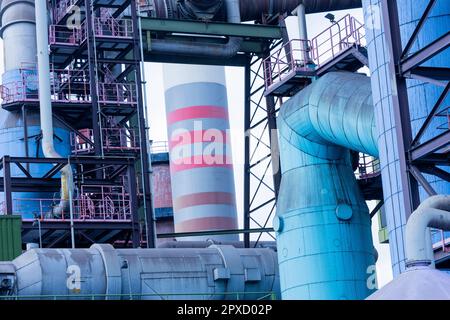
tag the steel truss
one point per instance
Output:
(262, 172)
(417, 155)
(88, 227)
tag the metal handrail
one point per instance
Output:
(291, 57)
(139, 296)
(67, 85)
(302, 55)
(121, 139)
(341, 35)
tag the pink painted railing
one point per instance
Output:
(302, 55)
(368, 167)
(117, 93)
(108, 28)
(61, 35)
(104, 27)
(67, 86)
(290, 58)
(340, 36)
(115, 28)
(106, 203)
(114, 139)
(62, 8)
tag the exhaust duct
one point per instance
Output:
(323, 225)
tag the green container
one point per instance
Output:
(10, 237)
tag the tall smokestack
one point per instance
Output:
(200, 154)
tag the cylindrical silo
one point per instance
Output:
(200, 155)
(422, 97)
(19, 80)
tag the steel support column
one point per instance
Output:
(132, 184)
(7, 184)
(93, 79)
(145, 163)
(247, 106)
(400, 104)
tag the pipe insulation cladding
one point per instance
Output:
(250, 9)
(217, 272)
(203, 189)
(323, 226)
(421, 95)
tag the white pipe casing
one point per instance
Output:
(213, 273)
(18, 33)
(46, 117)
(432, 213)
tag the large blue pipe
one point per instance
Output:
(323, 225)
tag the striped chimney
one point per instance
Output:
(200, 150)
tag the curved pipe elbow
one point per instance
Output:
(333, 114)
(434, 212)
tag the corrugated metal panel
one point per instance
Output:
(10, 237)
(422, 97)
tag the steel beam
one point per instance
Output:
(418, 28)
(238, 60)
(132, 191)
(75, 160)
(421, 179)
(7, 185)
(434, 75)
(434, 144)
(273, 138)
(247, 124)
(144, 157)
(444, 175)
(431, 115)
(209, 28)
(403, 131)
(95, 112)
(426, 53)
(213, 233)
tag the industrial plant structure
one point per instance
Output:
(93, 209)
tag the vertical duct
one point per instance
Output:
(422, 97)
(323, 226)
(203, 188)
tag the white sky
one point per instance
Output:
(235, 84)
